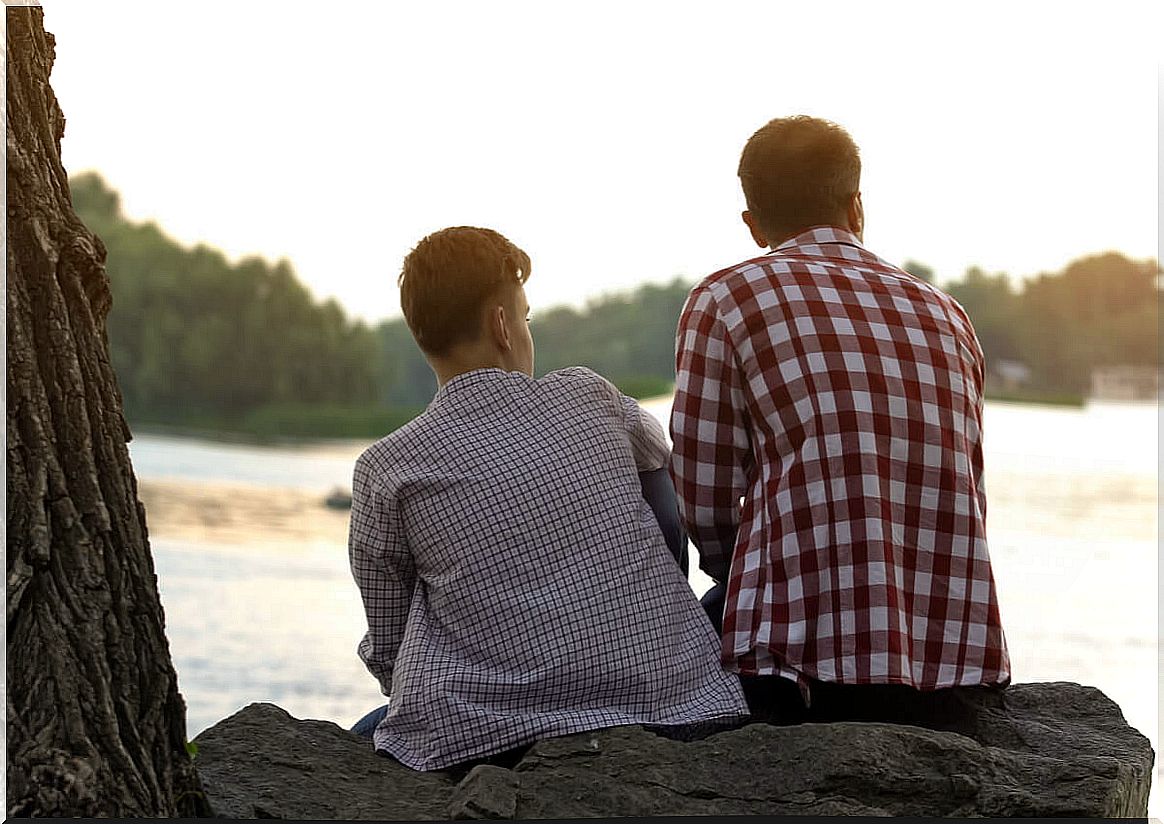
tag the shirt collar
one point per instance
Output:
(466, 381)
(818, 235)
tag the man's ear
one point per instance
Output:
(499, 329)
(753, 225)
(856, 216)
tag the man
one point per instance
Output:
(515, 581)
(827, 431)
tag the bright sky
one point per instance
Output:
(603, 137)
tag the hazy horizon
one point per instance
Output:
(604, 140)
(579, 303)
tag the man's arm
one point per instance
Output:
(976, 457)
(384, 572)
(974, 373)
(712, 448)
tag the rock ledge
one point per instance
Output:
(1036, 750)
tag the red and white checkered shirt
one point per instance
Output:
(841, 399)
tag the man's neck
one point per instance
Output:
(777, 240)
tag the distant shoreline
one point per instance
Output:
(1038, 398)
(226, 433)
(284, 425)
(243, 438)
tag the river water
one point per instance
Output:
(260, 605)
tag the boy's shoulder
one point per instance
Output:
(580, 381)
(571, 375)
(398, 445)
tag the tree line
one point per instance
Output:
(198, 341)
(1101, 310)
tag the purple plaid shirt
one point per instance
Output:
(516, 584)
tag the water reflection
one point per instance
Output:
(263, 621)
(260, 605)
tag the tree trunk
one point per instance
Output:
(95, 725)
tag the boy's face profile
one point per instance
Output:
(462, 293)
(520, 337)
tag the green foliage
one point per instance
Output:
(405, 377)
(621, 336)
(993, 307)
(1101, 310)
(919, 270)
(645, 386)
(200, 342)
(195, 338)
(628, 338)
(300, 420)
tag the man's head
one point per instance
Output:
(463, 298)
(799, 172)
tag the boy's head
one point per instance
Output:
(461, 289)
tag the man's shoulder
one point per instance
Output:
(920, 291)
(716, 289)
(723, 277)
(792, 263)
(797, 266)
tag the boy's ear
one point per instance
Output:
(499, 329)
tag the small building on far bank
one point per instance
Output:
(1125, 383)
(1007, 375)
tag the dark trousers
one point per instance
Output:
(777, 700)
(712, 603)
(659, 493)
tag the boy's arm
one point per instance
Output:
(648, 441)
(384, 572)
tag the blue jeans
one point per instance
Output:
(713, 604)
(659, 493)
(367, 725)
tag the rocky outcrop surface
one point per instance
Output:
(263, 763)
(1035, 750)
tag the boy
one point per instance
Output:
(516, 583)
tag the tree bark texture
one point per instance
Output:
(96, 725)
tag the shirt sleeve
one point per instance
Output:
(647, 439)
(973, 371)
(976, 457)
(648, 442)
(384, 572)
(711, 447)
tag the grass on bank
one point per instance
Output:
(296, 422)
(1038, 397)
(282, 423)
